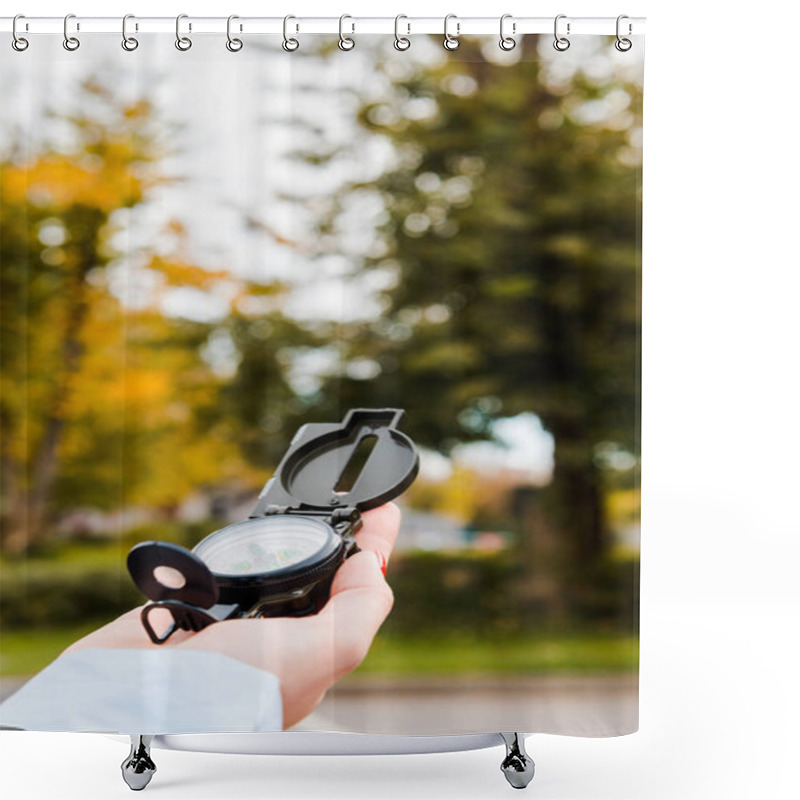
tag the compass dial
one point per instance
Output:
(265, 545)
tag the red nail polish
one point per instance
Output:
(381, 561)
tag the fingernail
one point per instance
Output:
(381, 561)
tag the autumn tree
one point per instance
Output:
(57, 210)
(99, 393)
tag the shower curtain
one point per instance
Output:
(205, 248)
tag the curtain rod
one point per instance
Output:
(403, 25)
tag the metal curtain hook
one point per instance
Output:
(234, 45)
(561, 43)
(451, 42)
(289, 44)
(18, 42)
(183, 43)
(507, 42)
(346, 42)
(401, 42)
(71, 43)
(128, 42)
(623, 44)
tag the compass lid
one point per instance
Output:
(166, 571)
(362, 462)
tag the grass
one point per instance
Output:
(26, 652)
(524, 654)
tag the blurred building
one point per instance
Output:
(422, 530)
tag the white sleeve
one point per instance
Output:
(153, 691)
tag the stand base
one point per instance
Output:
(517, 766)
(138, 768)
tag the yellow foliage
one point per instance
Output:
(457, 496)
(102, 393)
(178, 273)
(623, 504)
(60, 181)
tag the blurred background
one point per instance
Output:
(202, 251)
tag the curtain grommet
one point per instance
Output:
(561, 43)
(507, 43)
(233, 44)
(71, 43)
(289, 44)
(401, 43)
(19, 43)
(451, 42)
(129, 43)
(182, 43)
(346, 43)
(623, 44)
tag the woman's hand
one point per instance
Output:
(307, 654)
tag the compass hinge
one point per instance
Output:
(334, 516)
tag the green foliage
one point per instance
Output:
(259, 404)
(512, 234)
(460, 593)
(509, 245)
(51, 594)
(478, 594)
(66, 582)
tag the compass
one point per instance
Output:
(281, 561)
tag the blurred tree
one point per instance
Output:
(56, 225)
(511, 235)
(259, 402)
(105, 400)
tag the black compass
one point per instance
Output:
(281, 561)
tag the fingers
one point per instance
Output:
(360, 602)
(381, 526)
(378, 535)
(361, 577)
(360, 597)
(361, 571)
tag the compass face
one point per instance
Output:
(267, 545)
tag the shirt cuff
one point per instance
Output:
(147, 691)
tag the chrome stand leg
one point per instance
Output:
(517, 766)
(138, 768)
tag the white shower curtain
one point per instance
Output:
(203, 251)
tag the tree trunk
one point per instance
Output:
(27, 516)
(575, 495)
(543, 558)
(576, 490)
(563, 530)
(12, 518)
